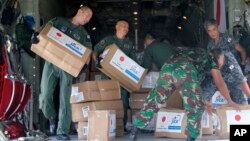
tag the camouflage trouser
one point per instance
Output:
(184, 77)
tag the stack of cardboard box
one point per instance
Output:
(95, 95)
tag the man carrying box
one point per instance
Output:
(52, 74)
(124, 43)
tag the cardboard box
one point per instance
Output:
(119, 127)
(95, 91)
(80, 110)
(61, 50)
(102, 125)
(119, 66)
(150, 80)
(170, 123)
(229, 116)
(82, 130)
(137, 100)
(95, 76)
(218, 99)
(175, 101)
(207, 124)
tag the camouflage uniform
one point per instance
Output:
(183, 72)
(127, 47)
(231, 71)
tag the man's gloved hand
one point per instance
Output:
(34, 39)
(98, 62)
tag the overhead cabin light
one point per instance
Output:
(135, 12)
(135, 3)
(184, 17)
(135, 19)
(94, 28)
(136, 22)
(179, 27)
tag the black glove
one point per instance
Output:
(98, 62)
(34, 39)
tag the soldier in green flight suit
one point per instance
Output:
(52, 75)
(156, 52)
(124, 43)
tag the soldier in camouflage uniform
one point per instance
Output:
(124, 43)
(231, 71)
(184, 71)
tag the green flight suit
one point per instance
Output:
(52, 75)
(127, 47)
(157, 52)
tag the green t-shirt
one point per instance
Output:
(157, 52)
(124, 44)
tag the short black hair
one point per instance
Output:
(217, 52)
(209, 22)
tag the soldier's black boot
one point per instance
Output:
(189, 138)
(133, 133)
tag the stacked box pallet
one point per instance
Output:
(94, 95)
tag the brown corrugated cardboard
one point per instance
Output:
(95, 91)
(61, 50)
(170, 123)
(80, 110)
(102, 125)
(207, 124)
(82, 130)
(137, 100)
(119, 66)
(229, 116)
(175, 101)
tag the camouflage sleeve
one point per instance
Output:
(100, 46)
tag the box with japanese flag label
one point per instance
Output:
(218, 99)
(170, 123)
(118, 66)
(61, 50)
(229, 116)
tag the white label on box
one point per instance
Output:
(112, 126)
(127, 66)
(85, 111)
(218, 99)
(169, 122)
(237, 118)
(66, 41)
(85, 131)
(205, 120)
(74, 91)
(79, 97)
(150, 80)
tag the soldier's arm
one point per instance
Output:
(242, 52)
(222, 87)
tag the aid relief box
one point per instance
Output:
(206, 124)
(61, 50)
(95, 91)
(82, 130)
(102, 125)
(118, 66)
(80, 110)
(228, 116)
(218, 99)
(170, 123)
